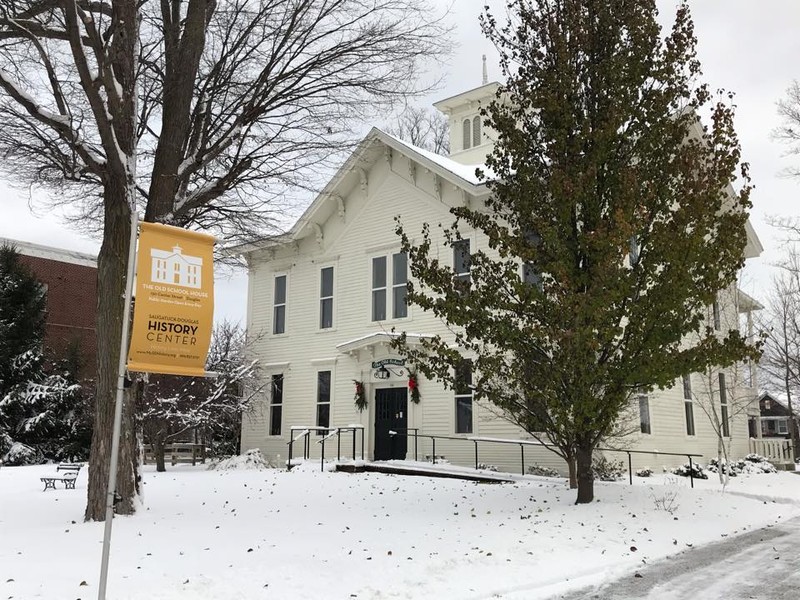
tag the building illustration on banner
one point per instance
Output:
(175, 268)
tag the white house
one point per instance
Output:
(324, 301)
(175, 268)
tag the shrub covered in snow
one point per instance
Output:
(487, 467)
(607, 470)
(646, 472)
(251, 460)
(20, 455)
(752, 464)
(684, 471)
(543, 471)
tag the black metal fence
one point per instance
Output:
(414, 432)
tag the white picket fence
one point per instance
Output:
(777, 450)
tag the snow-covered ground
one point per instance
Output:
(251, 534)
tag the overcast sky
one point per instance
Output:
(751, 47)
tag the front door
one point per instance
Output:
(391, 414)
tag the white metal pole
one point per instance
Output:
(123, 359)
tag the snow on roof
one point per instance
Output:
(465, 172)
(51, 253)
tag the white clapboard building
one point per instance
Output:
(325, 299)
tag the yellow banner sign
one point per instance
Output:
(174, 306)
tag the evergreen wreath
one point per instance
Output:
(360, 398)
(413, 387)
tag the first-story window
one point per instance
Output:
(644, 414)
(463, 388)
(276, 405)
(783, 427)
(323, 399)
(723, 405)
(688, 407)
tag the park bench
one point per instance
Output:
(71, 471)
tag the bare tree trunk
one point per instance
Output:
(583, 457)
(111, 275)
(158, 452)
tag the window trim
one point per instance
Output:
(332, 298)
(273, 404)
(285, 304)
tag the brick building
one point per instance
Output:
(71, 282)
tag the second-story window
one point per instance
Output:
(326, 298)
(462, 263)
(399, 285)
(379, 288)
(279, 305)
(476, 131)
(466, 132)
(715, 311)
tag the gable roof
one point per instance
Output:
(363, 156)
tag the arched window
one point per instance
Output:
(467, 135)
(476, 131)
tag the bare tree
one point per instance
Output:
(201, 113)
(789, 130)
(173, 407)
(780, 362)
(425, 128)
(727, 395)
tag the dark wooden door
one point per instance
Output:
(391, 414)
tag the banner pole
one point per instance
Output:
(123, 359)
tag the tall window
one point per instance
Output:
(688, 407)
(466, 134)
(464, 397)
(326, 298)
(323, 399)
(476, 131)
(379, 288)
(279, 305)
(635, 250)
(723, 405)
(276, 405)
(644, 414)
(530, 271)
(399, 285)
(461, 262)
(715, 311)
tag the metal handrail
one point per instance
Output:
(305, 433)
(522, 443)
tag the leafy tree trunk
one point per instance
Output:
(573, 473)
(111, 275)
(583, 457)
